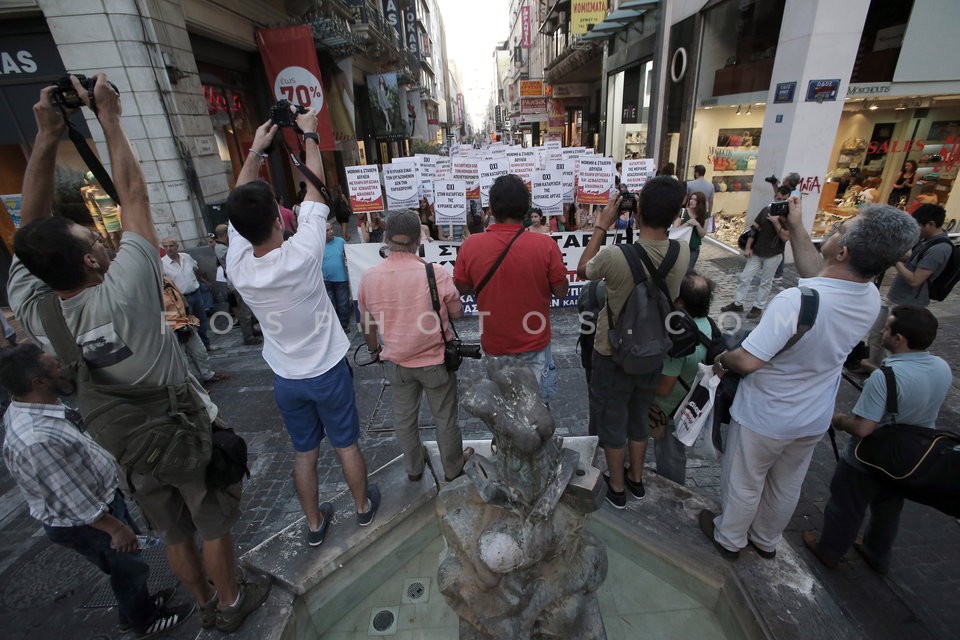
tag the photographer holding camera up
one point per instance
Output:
(395, 302)
(282, 283)
(764, 251)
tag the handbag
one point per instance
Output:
(697, 408)
(922, 464)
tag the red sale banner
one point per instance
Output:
(290, 59)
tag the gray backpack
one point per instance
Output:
(639, 339)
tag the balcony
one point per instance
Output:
(379, 37)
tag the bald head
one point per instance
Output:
(221, 231)
(170, 246)
(696, 294)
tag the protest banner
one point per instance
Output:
(547, 192)
(635, 173)
(595, 180)
(363, 183)
(489, 171)
(450, 202)
(402, 184)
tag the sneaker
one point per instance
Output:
(754, 313)
(208, 613)
(616, 498)
(733, 306)
(167, 618)
(315, 538)
(636, 488)
(160, 600)
(705, 520)
(252, 595)
(373, 498)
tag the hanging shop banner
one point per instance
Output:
(466, 169)
(531, 88)
(595, 180)
(338, 89)
(363, 183)
(391, 13)
(410, 28)
(525, 26)
(450, 202)
(389, 120)
(585, 14)
(635, 173)
(290, 59)
(547, 192)
(489, 171)
(402, 184)
(567, 170)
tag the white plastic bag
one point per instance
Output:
(696, 410)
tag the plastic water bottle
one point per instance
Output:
(148, 542)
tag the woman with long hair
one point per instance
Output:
(695, 216)
(905, 181)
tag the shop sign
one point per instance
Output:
(585, 14)
(823, 90)
(785, 92)
(290, 59)
(391, 13)
(530, 89)
(410, 26)
(877, 89)
(570, 90)
(533, 105)
(525, 26)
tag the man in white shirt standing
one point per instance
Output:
(185, 273)
(282, 282)
(785, 404)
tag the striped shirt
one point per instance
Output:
(67, 479)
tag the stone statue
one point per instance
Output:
(518, 562)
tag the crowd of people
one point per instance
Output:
(136, 319)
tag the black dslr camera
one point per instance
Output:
(455, 351)
(282, 116)
(628, 202)
(67, 95)
(780, 208)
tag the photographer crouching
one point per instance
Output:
(396, 303)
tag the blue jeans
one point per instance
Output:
(339, 293)
(128, 572)
(694, 254)
(196, 305)
(543, 367)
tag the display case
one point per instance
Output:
(734, 164)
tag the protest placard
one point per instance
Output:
(547, 192)
(450, 202)
(567, 170)
(595, 180)
(466, 169)
(489, 171)
(635, 173)
(402, 184)
(363, 183)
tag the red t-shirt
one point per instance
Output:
(519, 290)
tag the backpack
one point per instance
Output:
(684, 334)
(640, 338)
(921, 463)
(941, 286)
(593, 295)
(159, 431)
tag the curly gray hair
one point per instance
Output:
(883, 235)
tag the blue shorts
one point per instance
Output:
(314, 407)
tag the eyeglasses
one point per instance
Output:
(96, 240)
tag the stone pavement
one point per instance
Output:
(50, 592)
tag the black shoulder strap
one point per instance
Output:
(932, 243)
(56, 330)
(92, 161)
(891, 379)
(496, 265)
(435, 301)
(629, 252)
(809, 306)
(659, 275)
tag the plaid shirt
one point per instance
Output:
(67, 479)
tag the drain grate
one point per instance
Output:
(415, 591)
(383, 621)
(161, 577)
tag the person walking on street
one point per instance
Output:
(335, 277)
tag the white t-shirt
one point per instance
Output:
(302, 337)
(793, 395)
(184, 274)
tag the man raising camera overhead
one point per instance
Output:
(282, 283)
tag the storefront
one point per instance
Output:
(628, 111)
(876, 137)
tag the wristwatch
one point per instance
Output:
(311, 135)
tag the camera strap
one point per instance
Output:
(496, 265)
(91, 160)
(301, 166)
(435, 300)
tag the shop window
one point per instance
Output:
(881, 40)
